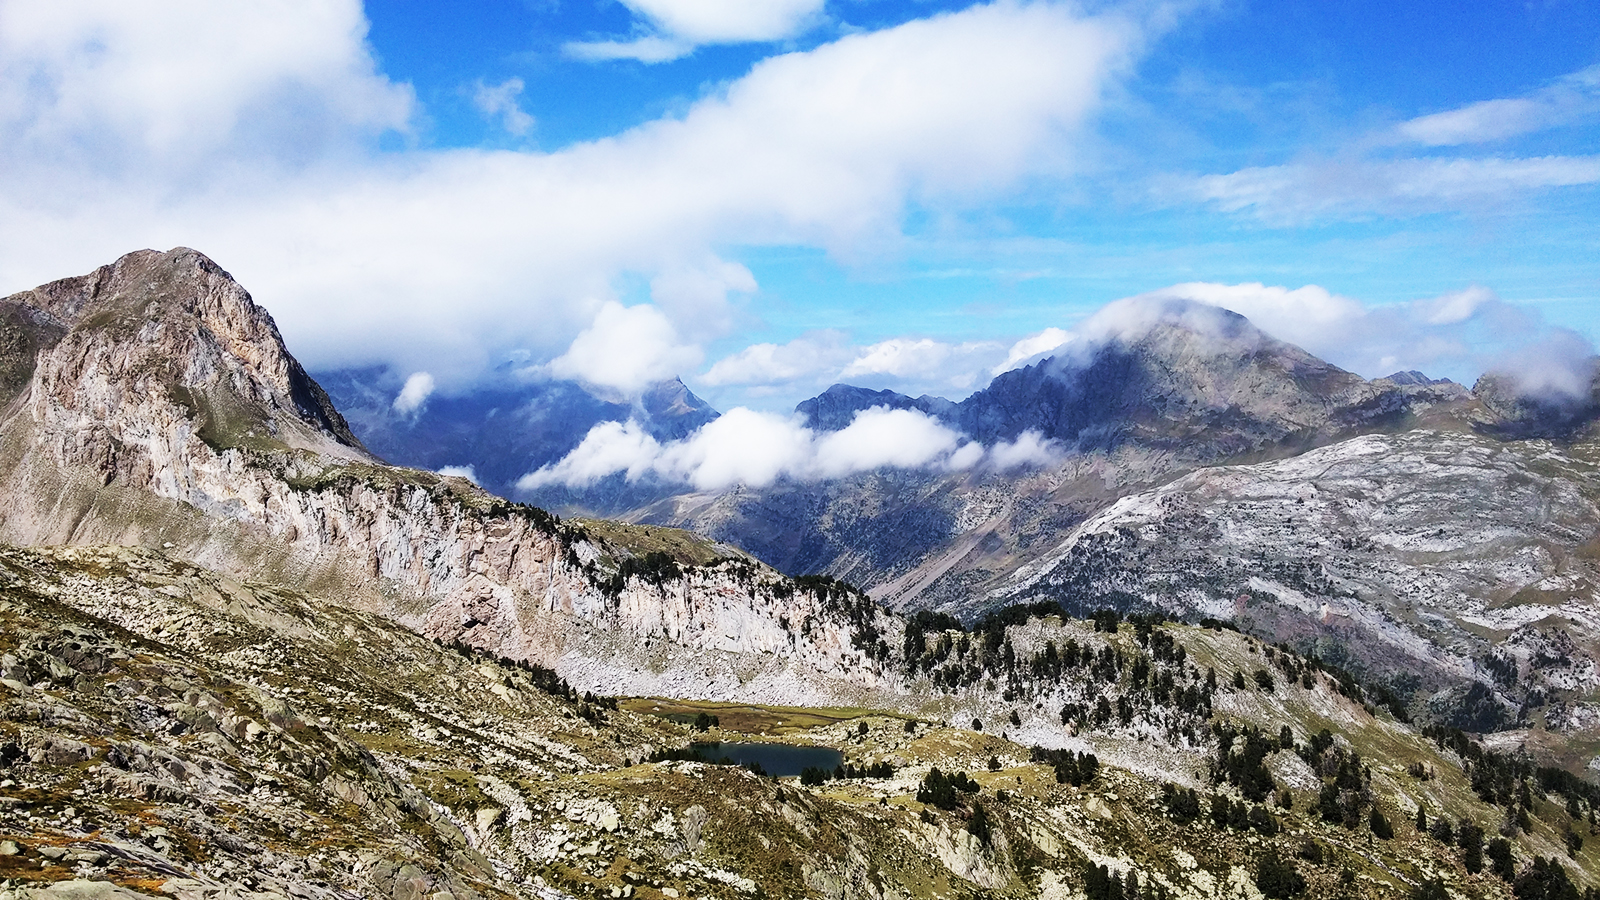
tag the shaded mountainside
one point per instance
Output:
(168, 731)
(505, 432)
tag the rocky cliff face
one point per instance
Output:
(167, 731)
(1424, 559)
(162, 409)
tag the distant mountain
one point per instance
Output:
(241, 697)
(1195, 380)
(506, 431)
(1186, 385)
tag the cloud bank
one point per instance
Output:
(745, 447)
(251, 135)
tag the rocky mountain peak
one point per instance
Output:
(1169, 376)
(673, 409)
(175, 326)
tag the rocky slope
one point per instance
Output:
(1429, 557)
(160, 408)
(1172, 387)
(165, 730)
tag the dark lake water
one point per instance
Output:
(780, 760)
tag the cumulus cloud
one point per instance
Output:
(119, 87)
(501, 101)
(626, 349)
(682, 25)
(882, 438)
(808, 357)
(922, 359)
(1028, 450)
(414, 393)
(745, 447)
(1032, 348)
(251, 133)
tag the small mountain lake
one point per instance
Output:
(778, 760)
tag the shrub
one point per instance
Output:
(1277, 878)
(1380, 825)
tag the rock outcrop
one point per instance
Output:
(162, 409)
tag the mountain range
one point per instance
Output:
(1224, 643)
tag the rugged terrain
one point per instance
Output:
(167, 730)
(155, 405)
(300, 671)
(1173, 387)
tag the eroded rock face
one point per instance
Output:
(1431, 556)
(163, 409)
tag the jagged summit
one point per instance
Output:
(175, 325)
(155, 405)
(1175, 376)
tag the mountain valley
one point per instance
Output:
(1257, 646)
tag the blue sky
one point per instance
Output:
(766, 197)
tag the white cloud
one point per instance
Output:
(1029, 449)
(1571, 98)
(1032, 347)
(608, 448)
(956, 365)
(806, 357)
(739, 447)
(414, 393)
(466, 472)
(682, 25)
(1454, 307)
(1300, 192)
(627, 349)
(754, 448)
(248, 134)
(123, 86)
(1559, 365)
(880, 438)
(1486, 121)
(648, 49)
(699, 292)
(501, 101)
(723, 21)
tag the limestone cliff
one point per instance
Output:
(161, 408)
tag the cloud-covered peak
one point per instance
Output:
(626, 349)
